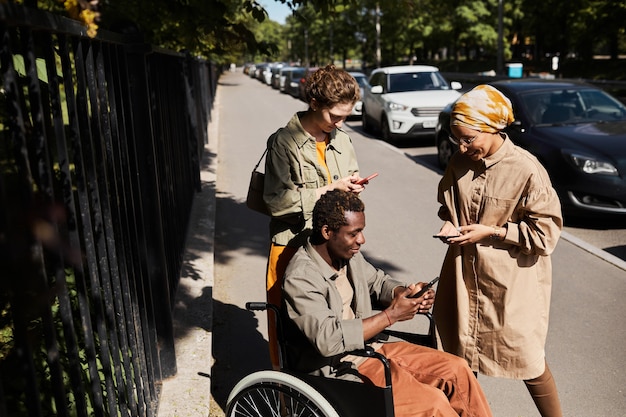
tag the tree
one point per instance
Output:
(411, 30)
(599, 28)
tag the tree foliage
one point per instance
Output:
(410, 30)
(430, 30)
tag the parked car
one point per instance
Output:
(259, 71)
(275, 79)
(292, 81)
(266, 76)
(307, 72)
(577, 131)
(282, 77)
(361, 79)
(403, 102)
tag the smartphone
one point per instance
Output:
(444, 238)
(424, 288)
(366, 180)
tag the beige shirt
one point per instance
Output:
(493, 299)
(344, 287)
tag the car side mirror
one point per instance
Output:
(517, 125)
(377, 89)
(456, 85)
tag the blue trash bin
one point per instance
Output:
(515, 70)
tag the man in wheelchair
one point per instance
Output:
(328, 290)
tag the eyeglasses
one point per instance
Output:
(464, 141)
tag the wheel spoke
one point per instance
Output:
(274, 400)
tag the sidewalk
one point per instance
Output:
(188, 393)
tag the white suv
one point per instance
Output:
(405, 101)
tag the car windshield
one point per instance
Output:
(572, 106)
(361, 80)
(416, 81)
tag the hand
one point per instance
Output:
(347, 184)
(472, 233)
(351, 183)
(404, 308)
(448, 229)
(343, 184)
(425, 302)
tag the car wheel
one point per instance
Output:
(444, 151)
(385, 129)
(367, 126)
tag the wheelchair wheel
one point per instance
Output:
(276, 394)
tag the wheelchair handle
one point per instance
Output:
(256, 306)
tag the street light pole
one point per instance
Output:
(306, 48)
(378, 54)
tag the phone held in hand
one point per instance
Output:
(367, 179)
(424, 289)
(444, 238)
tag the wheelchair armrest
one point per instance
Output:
(369, 352)
(407, 333)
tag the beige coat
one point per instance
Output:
(292, 175)
(493, 300)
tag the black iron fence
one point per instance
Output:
(100, 146)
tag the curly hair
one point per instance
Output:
(331, 210)
(330, 86)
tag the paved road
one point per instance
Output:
(587, 334)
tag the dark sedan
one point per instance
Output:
(577, 131)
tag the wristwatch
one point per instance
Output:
(497, 233)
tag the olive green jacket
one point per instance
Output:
(292, 174)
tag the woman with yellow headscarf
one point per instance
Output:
(493, 300)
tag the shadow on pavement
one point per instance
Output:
(602, 222)
(238, 349)
(427, 161)
(239, 229)
(390, 268)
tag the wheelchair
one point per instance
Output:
(286, 393)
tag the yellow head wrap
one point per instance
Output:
(483, 108)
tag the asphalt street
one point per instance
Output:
(587, 334)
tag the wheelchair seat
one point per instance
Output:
(289, 393)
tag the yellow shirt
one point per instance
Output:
(321, 156)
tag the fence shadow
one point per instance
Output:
(239, 349)
(241, 231)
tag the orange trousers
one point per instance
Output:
(277, 262)
(428, 382)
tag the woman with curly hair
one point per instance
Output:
(308, 157)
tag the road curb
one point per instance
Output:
(602, 254)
